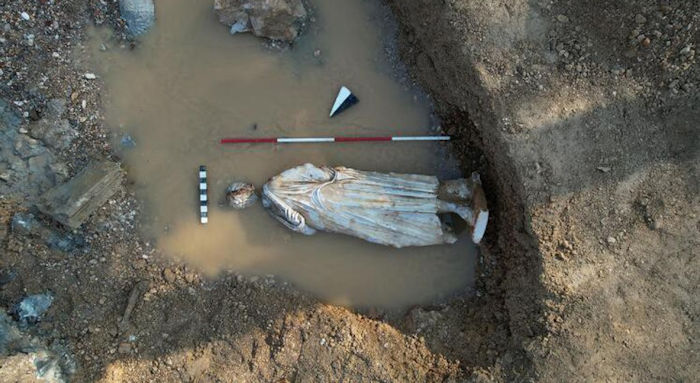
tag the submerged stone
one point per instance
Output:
(273, 19)
(138, 14)
(127, 141)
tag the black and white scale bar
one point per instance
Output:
(203, 208)
(343, 100)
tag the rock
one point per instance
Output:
(562, 19)
(611, 240)
(124, 348)
(241, 195)
(74, 201)
(420, 319)
(127, 141)
(24, 161)
(640, 19)
(65, 242)
(24, 16)
(55, 133)
(139, 15)
(90, 76)
(30, 309)
(33, 115)
(26, 147)
(8, 116)
(273, 19)
(169, 276)
(55, 108)
(59, 169)
(6, 276)
(40, 174)
(24, 224)
(29, 359)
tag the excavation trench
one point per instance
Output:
(189, 83)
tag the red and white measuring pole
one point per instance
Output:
(305, 140)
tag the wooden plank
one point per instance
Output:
(74, 201)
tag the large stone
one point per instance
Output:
(74, 201)
(26, 147)
(56, 133)
(273, 19)
(27, 165)
(54, 130)
(138, 14)
(8, 117)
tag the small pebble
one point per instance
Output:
(562, 19)
(611, 240)
(169, 276)
(124, 348)
(25, 16)
(90, 76)
(640, 19)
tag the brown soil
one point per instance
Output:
(590, 136)
(582, 117)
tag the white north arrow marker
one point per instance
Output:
(344, 100)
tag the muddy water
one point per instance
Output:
(189, 83)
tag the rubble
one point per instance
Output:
(27, 225)
(28, 359)
(74, 201)
(274, 19)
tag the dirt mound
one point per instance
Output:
(585, 116)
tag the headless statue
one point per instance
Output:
(386, 208)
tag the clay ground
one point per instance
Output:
(583, 119)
